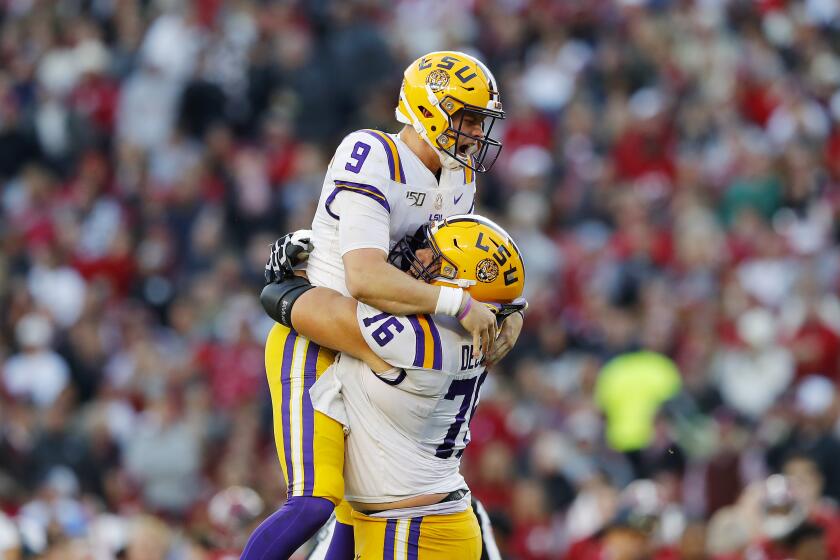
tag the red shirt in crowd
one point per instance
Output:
(816, 349)
(638, 154)
(235, 371)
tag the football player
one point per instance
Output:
(409, 398)
(378, 188)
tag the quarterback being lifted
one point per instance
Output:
(378, 188)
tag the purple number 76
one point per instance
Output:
(359, 155)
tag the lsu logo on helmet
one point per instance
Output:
(437, 80)
(478, 255)
(486, 271)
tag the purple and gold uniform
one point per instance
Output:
(408, 428)
(376, 191)
(429, 537)
(300, 433)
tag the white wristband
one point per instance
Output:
(449, 301)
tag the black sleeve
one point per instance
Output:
(278, 298)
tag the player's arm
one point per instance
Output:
(364, 233)
(364, 241)
(374, 281)
(322, 315)
(329, 318)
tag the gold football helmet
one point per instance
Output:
(438, 91)
(471, 252)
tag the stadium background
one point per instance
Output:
(670, 171)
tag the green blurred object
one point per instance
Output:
(761, 194)
(630, 390)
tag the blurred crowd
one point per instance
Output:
(670, 172)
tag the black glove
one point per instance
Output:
(287, 252)
(504, 310)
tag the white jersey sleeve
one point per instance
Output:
(364, 223)
(366, 157)
(391, 337)
(409, 342)
(418, 342)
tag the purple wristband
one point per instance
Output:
(466, 309)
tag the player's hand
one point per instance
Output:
(287, 252)
(508, 335)
(481, 323)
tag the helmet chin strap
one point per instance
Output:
(446, 160)
(458, 282)
(450, 162)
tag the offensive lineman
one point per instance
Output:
(409, 421)
(378, 188)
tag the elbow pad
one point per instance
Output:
(278, 298)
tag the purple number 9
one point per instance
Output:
(359, 155)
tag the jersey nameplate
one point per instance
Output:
(467, 360)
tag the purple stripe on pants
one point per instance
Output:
(414, 538)
(420, 344)
(286, 385)
(388, 548)
(309, 375)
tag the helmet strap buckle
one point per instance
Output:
(458, 282)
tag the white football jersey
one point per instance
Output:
(408, 428)
(382, 191)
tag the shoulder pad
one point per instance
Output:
(363, 147)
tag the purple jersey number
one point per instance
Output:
(359, 155)
(384, 332)
(460, 388)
